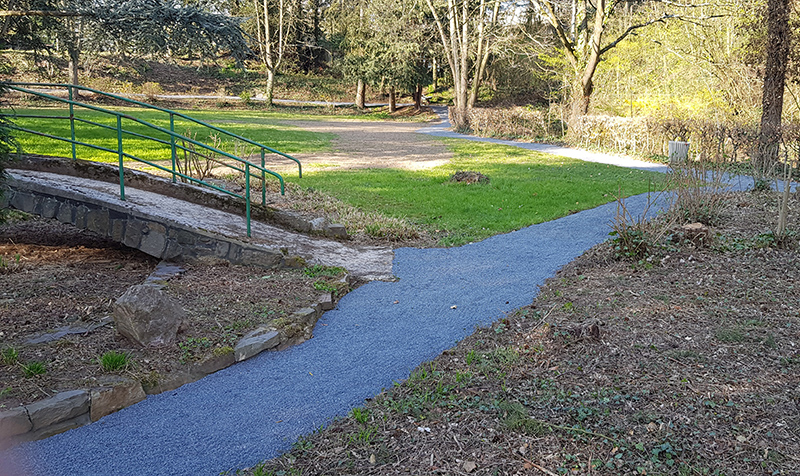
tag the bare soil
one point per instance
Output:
(686, 363)
(53, 275)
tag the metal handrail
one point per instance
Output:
(172, 114)
(174, 137)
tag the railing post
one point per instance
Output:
(247, 194)
(172, 143)
(263, 180)
(119, 148)
(72, 123)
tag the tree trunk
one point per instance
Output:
(418, 97)
(435, 69)
(268, 94)
(74, 58)
(361, 91)
(392, 100)
(778, 43)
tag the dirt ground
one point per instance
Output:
(374, 145)
(687, 362)
(54, 276)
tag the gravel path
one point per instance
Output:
(377, 335)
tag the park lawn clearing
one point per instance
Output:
(257, 126)
(525, 188)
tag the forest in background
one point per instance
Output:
(618, 75)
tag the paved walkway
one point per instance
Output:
(377, 335)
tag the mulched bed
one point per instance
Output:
(53, 275)
(688, 363)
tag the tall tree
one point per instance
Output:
(154, 26)
(779, 40)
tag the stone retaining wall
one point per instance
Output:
(183, 191)
(166, 241)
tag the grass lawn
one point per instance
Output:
(525, 188)
(257, 126)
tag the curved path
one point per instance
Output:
(377, 335)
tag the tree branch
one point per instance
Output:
(633, 28)
(39, 13)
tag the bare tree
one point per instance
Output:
(581, 38)
(275, 21)
(457, 26)
(779, 38)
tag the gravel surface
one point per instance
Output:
(377, 335)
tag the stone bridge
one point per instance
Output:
(177, 221)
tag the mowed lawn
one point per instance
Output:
(524, 188)
(257, 126)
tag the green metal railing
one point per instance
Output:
(239, 164)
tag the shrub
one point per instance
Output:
(151, 90)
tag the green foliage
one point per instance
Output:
(32, 369)
(318, 270)
(112, 361)
(10, 355)
(192, 347)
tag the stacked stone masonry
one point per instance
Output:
(165, 241)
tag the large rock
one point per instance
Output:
(116, 394)
(257, 341)
(147, 316)
(63, 406)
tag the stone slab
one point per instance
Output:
(14, 422)
(255, 342)
(59, 408)
(115, 395)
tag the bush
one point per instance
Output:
(515, 123)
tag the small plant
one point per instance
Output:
(361, 415)
(10, 355)
(32, 369)
(318, 270)
(112, 361)
(324, 286)
(191, 347)
(151, 90)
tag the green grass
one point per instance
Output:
(262, 127)
(525, 188)
(32, 369)
(112, 361)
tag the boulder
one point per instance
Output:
(259, 340)
(147, 316)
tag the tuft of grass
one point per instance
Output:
(32, 369)
(10, 355)
(112, 361)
